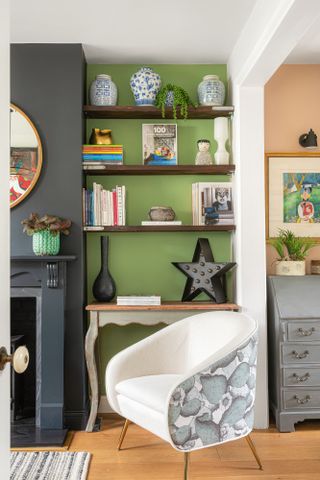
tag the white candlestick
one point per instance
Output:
(221, 135)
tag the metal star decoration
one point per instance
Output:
(204, 274)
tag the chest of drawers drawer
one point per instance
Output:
(301, 331)
(301, 377)
(297, 399)
(300, 353)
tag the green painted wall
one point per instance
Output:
(141, 263)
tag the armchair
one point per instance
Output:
(192, 383)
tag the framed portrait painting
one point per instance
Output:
(293, 194)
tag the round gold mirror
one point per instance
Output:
(25, 155)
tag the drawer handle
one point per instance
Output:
(306, 333)
(303, 378)
(299, 356)
(302, 401)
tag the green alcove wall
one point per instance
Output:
(141, 262)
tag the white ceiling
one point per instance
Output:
(135, 31)
(308, 49)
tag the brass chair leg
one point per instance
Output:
(254, 451)
(186, 465)
(123, 433)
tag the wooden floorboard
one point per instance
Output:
(294, 456)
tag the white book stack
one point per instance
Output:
(161, 222)
(139, 300)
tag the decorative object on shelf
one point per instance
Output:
(103, 92)
(308, 140)
(212, 203)
(161, 214)
(204, 274)
(104, 288)
(145, 84)
(100, 136)
(203, 157)
(25, 156)
(315, 267)
(292, 251)
(211, 91)
(45, 232)
(221, 135)
(159, 144)
(293, 193)
(173, 96)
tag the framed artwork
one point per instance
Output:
(293, 194)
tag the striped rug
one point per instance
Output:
(49, 465)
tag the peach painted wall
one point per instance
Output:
(292, 107)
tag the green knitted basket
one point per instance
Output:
(46, 243)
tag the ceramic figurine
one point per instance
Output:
(103, 92)
(203, 156)
(145, 84)
(221, 135)
(100, 137)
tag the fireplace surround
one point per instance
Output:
(44, 278)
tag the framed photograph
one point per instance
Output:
(159, 144)
(293, 194)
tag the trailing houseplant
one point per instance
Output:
(172, 95)
(292, 252)
(45, 232)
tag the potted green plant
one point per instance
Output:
(173, 96)
(292, 252)
(45, 232)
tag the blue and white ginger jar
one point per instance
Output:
(103, 92)
(145, 84)
(211, 91)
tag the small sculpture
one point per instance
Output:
(203, 156)
(100, 137)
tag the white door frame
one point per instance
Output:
(4, 236)
(273, 29)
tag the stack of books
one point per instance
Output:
(104, 207)
(139, 300)
(98, 156)
(212, 203)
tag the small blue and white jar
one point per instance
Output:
(103, 92)
(145, 84)
(211, 91)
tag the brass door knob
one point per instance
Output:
(19, 360)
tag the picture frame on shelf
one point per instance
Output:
(159, 144)
(293, 194)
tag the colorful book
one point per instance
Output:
(159, 144)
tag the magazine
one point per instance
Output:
(212, 203)
(159, 144)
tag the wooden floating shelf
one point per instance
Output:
(176, 305)
(135, 112)
(163, 228)
(161, 170)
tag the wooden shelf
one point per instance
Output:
(161, 170)
(149, 112)
(176, 305)
(162, 228)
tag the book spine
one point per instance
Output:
(101, 157)
(119, 203)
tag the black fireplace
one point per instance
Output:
(38, 292)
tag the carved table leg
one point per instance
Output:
(91, 337)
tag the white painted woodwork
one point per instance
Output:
(4, 237)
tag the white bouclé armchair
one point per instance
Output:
(192, 383)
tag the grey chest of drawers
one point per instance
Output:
(294, 349)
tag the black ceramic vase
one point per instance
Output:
(104, 288)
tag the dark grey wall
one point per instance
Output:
(47, 83)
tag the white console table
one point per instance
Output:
(102, 314)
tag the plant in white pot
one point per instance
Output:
(292, 251)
